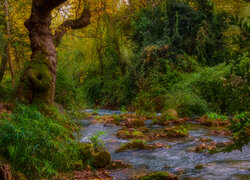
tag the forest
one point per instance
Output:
(124, 89)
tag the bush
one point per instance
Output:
(36, 145)
(187, 103)
(202, 91)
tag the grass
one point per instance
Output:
(36, 145)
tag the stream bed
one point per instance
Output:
(178, 159)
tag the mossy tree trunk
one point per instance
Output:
(38, 82)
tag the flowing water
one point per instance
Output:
(179, 159)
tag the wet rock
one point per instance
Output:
(144, 129)
(199, 166)
(191, 149)
(119, 164)
(204, 139)
(98, 159)
(101, 159)
(138, 144)
(176, 132)
(212, 122)
(134, 123)
(134, 144)
(161, 175)
(129, 134)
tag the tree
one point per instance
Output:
(37, 84)
(7, 48)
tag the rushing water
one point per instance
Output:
(178, 159)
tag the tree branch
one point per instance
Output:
(81, 22)
(47, 5)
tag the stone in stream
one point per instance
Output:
(97, 159)
(199, 166)
(160, 175)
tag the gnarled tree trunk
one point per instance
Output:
(37, 85)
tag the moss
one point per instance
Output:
(99, 159)
(138, 144)
(36, 85)
(134, 144)
(116, 120)
(85, 151)
(199, 166)
(128, 134)
(166, 118)
(176, 132)
(161, 175)
(144, 129)
(134, 123)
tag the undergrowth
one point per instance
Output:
(36, 145)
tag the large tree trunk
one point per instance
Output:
(38, 83)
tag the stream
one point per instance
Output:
(178, 159)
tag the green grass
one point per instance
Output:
(36, 145)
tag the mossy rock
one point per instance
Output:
(126, 134)
(144, 129)
(101, 159)
(134, 123)
(86, 150)
(176, 132)
(161, 175)
(134, 144)
(199, 166)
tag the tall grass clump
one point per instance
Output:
(36, 145)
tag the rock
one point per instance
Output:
(176, 132)
(134, 144)
(97, 159)
(101, 159)
(86, 150)
(199, 166)
(161, 175)
(191, 149)
(119, 164)
(129, 134)
(140, 145)
(134, 123)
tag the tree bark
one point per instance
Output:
(7, 57)
(38, 83)
(3, 66)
